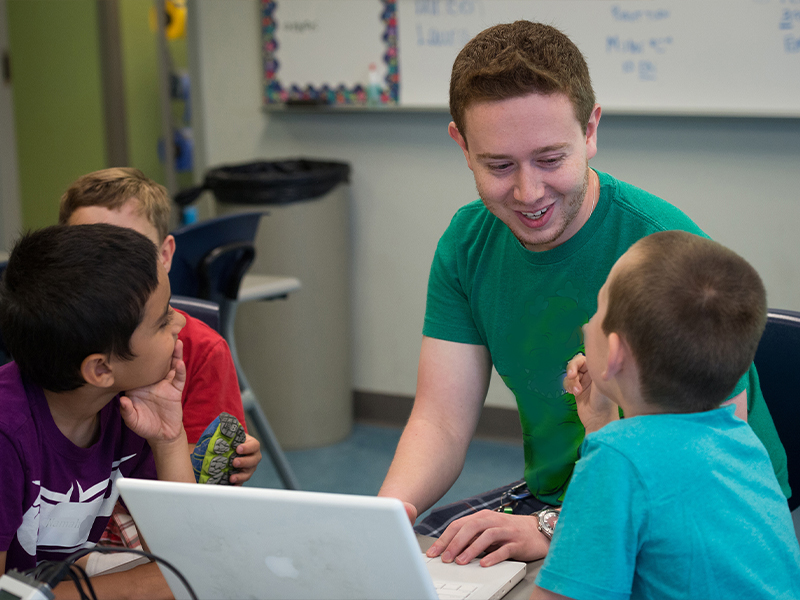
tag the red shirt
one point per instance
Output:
(211, 383)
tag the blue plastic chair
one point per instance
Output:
(210, 261)
(777, 360)
(202, 310)
(212, 256)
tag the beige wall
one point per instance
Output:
(737, 178)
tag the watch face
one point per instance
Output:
(548, 519)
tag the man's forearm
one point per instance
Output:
(451, 387)
(427, 462)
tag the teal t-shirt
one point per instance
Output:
(528, 308)
(634, 524)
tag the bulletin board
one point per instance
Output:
(322, 51)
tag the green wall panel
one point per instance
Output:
(57, 95)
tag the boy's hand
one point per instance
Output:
(154, 411)
(594, 409)
(248, 455)
(577, 380)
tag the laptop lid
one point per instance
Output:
(233, 542)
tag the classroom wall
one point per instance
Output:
(737, 178)
(58, 110)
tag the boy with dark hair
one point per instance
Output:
(127, 198)
(93, 393)
(678, 322)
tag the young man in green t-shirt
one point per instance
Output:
(514, 278)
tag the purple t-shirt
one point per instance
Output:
(55, 497)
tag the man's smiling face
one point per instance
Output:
(530, 160)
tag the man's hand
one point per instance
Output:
(411, 511)
(501, 535)
(247, 459)
(594, 409)
(154, 411)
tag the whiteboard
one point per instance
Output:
(729, 57)
(692, 57)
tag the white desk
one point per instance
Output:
(266, 287)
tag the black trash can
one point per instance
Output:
(297, 353)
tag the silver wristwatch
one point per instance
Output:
(547, 518)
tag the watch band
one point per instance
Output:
(547, 518)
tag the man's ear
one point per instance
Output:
(454, 133)
(591, 131)
(166, 252)
(617, 350)
(96, 371)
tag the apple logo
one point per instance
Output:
(281, 566)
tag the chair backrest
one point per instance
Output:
(204, 310)
(778, 363)
(212, 256)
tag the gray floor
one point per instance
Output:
(358, 465)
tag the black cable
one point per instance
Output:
(75, 576)
(75, 581)
(52, 572)
(91, 595)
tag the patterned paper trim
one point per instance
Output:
(276, 93)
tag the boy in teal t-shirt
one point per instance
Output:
(676, 500)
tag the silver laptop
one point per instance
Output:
(232, 542)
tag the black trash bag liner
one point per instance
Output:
(269, 182)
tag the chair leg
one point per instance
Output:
(253, 410)
(251, 406)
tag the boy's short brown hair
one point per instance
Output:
(692, 312)
(111, 188)
(516, 59)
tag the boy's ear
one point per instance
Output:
(166, 252)
(617, 350)
(96, 371)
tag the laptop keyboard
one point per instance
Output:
(452, 590)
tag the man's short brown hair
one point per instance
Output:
(516, 59)
(111, 188)
(692, 312)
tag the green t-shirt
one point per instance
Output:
(528, 307)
